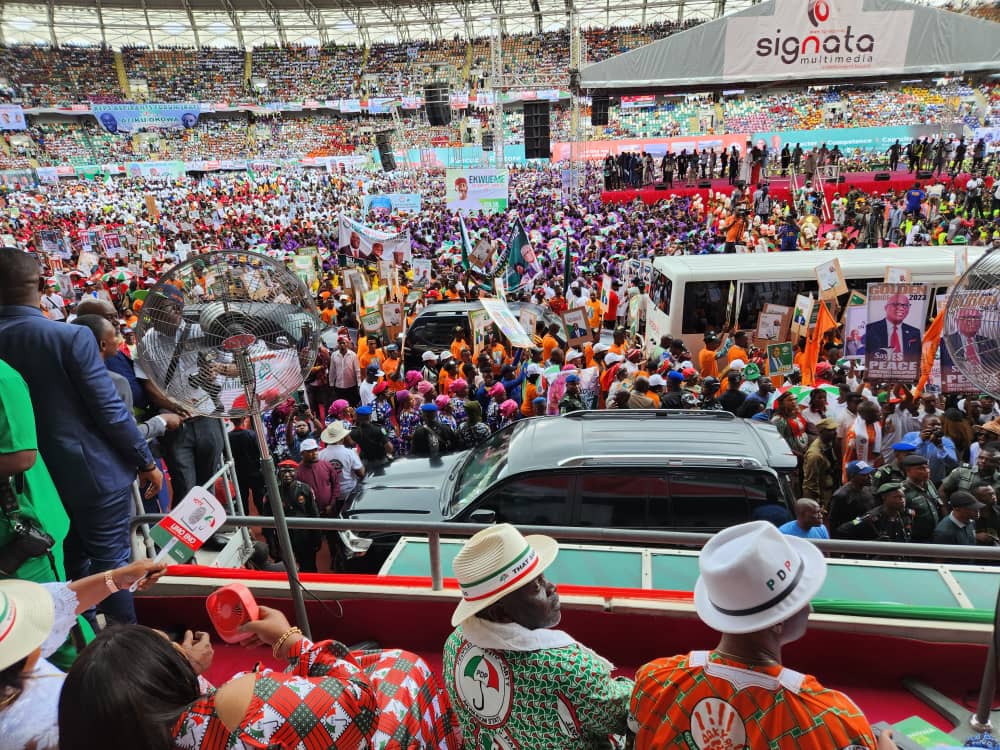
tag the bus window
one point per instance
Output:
(758, 294)
(660, 291)
(705, 305)
(861, 285)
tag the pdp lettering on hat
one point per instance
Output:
(190, 524)
(780, 574)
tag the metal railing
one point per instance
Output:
(434, 530)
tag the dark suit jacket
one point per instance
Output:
(982, 345)
(877, 337)
(86, 435)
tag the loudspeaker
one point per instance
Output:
(925, 174)
(882, 177)
(437, 104)
(383, 142)
(487, 141)
(705, 184)
(536, 131)
(599, 109)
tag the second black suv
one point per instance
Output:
(697, 471)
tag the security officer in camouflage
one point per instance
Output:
(892, 472)
(964, 477)
(921, 497)
(891, 521)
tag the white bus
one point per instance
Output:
(692, 294)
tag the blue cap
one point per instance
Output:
(760, 416)
(574, 378)
(903, 446)
(676, 376)
(859, 467)
(538, 400)
(363, 411)
(429, 407)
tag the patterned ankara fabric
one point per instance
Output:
(546, 699)
(701, 700)
(332, 698)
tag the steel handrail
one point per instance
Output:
(435, 529)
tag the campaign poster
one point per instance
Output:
(392, 317)
(894, 331)
(831, 279)
(421, 272)
(479, 322)
(360, 242)
(769, 328)
(508, 324)
(577, 326)
(372, 321)
(801, 314)
(112, 243)
(605, 294)
(780, 358)
(855, 323)
(964, 348)
(404, 203)
(125, 118)
(12, 117)
(481, 252)
(897, 275)
(528, 318)
(471, 190)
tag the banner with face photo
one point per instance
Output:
(855, 323)
(508, 324)
(359, 242)
(780, 358)
(963, 341)
(421, 272)
(831, 279)
(577, 326)
(480, 322)
(801, 314)
(894, 331)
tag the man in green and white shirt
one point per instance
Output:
(514, 681)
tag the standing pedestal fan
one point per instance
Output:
(232, 334)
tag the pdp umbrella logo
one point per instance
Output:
(819, 12)
(483, 684)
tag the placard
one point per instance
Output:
(421, 272)
(480, 323)
(528, 318)
(780, 358)
(831, 280)
(894, 331)
(855, 321)
(188, 526)
(769, 328)
(392, 318)
(577, 326)
(509, 325)
(802, 314)
(897, 275)
(372, 321)
(963, 342)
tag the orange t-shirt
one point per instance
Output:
(444, 380)
(704, 700)
(737, 352)
(707, 363)
(530, 394)
(595, 313)
(456, 349)
(328, 315)
(365, 358)
(549, 342)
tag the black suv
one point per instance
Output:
(434, 327)
(696, 471)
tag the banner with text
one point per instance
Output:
(469, 190)
(127, 118)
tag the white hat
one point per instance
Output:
(309, 445)
(611, 358)
(533, 369)
(495, 562)
(737, 364)
(429, 356)
(687, 364)
(752, 577)
(572, 354)
(26, 618)
(600, 346)
(335, 432)
(656, 379)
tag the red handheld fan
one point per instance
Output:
(229, 608)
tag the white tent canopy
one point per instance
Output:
(807, 40)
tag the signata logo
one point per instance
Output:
(819, 11)
(831, 48)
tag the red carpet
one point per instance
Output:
(900, 181)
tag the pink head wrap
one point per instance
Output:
(442, 401)
(338, 406)
(457, 384)
(424, 387)
(508, 407)
(412, 377)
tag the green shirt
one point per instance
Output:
(560, 698)
(39, 500)
(924, 502)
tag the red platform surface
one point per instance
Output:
(900, 181)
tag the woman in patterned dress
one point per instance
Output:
(408, 419)
(508, 413)
(329, 697)
(445, 416)
(382, 411)
(459, 390)
(497, 396)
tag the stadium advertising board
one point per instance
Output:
(803, 38)
(125, 118)
(597, 150)
(477, 190)
(848, 139)
(403, 202)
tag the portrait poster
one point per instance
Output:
(577, 326)
(801, 315)
(897, 275)
(769, 328)
(528, 318)
(894, 331)
(605, 294)
(964, 345)
(392, 318)
(831, 280)
(479, 322)
(508, 324)
(855, 322)
(780, 358)
(421, 272)
(112, 243)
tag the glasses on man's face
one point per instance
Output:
(898, 304)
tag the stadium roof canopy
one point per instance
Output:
(251, 23)
(824, 41)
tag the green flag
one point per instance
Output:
(466, 245)
(518, 239)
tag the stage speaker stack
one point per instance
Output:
(925, 174)
(704, 184)
(882, 177)
(599, 109)
(487, 141)
(536, 131)
(383, 142)
(437, 104)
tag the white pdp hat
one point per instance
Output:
(309, 445)
(610, 358)
(600, 347)
(656, 379)
(737, 364)
(533, 369)
(753, 577)
(429, 356)
(572, 354)
(26, 618)
(495, 562)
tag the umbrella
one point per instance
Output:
(802, 392)
(118, 276)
